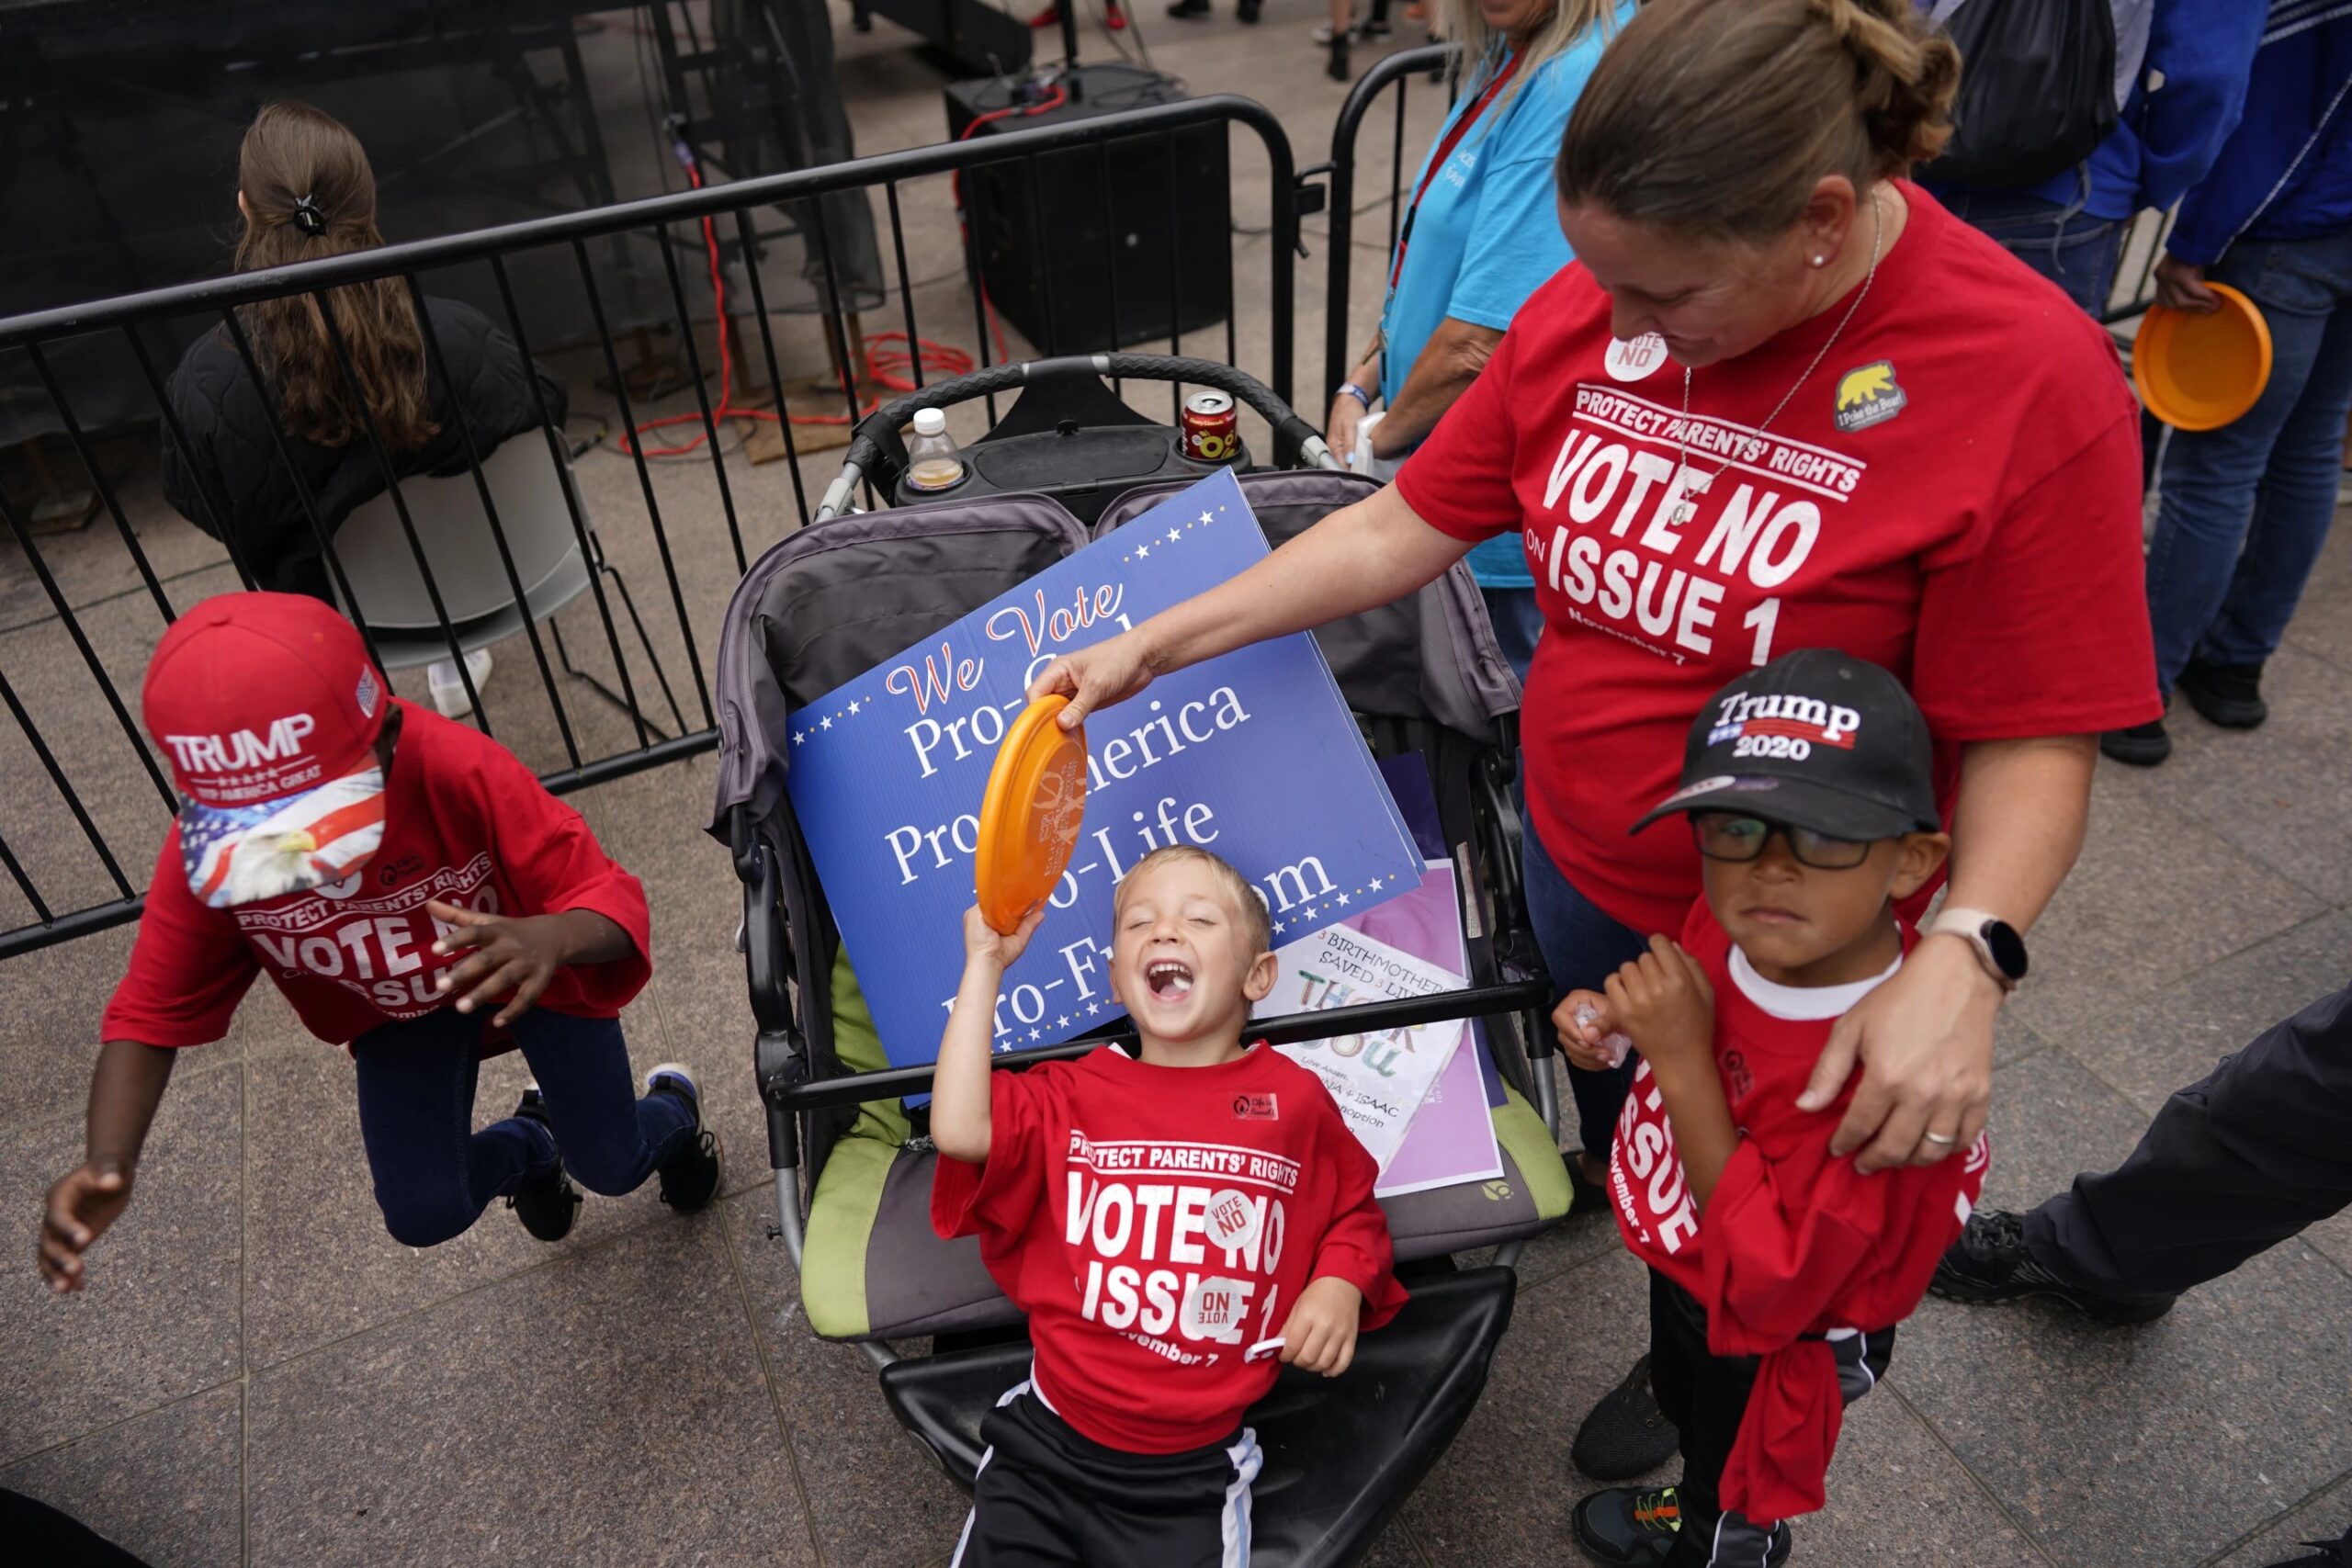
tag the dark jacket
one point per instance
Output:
(232, 478)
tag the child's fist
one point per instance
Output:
(1320, 1334)
(983, 943)
(1587, 1037)
(1662, 1001)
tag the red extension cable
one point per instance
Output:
(890, 367)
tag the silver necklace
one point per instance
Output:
(1685, 509)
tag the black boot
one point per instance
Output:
(2227, 694)
(1190, 10)
(545, 1205)
(1990, 1263)
(2337, 1553)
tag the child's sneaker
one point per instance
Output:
(690, 1176)
(1637, 1529)
(1626, 1435)
(545, 1205)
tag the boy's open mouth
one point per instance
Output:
(1170, 979)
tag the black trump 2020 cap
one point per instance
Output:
(1817, 739)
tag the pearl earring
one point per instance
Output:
(1821, 261)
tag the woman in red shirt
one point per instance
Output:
(1781, 399)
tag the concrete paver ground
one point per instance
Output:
(259, 1375)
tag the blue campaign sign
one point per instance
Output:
(1252, 755)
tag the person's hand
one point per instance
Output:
(1663, 1003)
(983, 943)
(85, 1201)
(1925, 1042)
(507, 955)
(1580, 1041)
(1098, 677)
(1340, 430)
(2180, 286)
(1321, 1334)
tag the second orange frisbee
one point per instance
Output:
(1030, 816)
(2202, 372)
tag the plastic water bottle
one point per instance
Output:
(932, 460)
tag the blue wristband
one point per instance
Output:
(1349, 388)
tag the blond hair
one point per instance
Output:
(1247, 906)
(1717, 118)
(1479, 52)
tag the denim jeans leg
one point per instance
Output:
(612, 1139)
(434, 1174)
(1582, 947)
(2210, 481)
(2297, 503)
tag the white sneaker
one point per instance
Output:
(448, 691)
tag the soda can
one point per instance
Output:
(1212, 431)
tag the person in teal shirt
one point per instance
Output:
(1479, 237)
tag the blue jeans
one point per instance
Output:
(1582, 947)
(1517, 622)
(435, 1174)
(2077, 253)
(2246, 508)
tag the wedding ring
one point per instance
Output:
(1939, 1138)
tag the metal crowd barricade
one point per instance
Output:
(53, 812)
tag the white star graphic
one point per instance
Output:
(1033, 1034)
(1344, 900)
(1173, 535)
(1204, 517)
(1142, 550)
(825, 723)
(1062, 1023)
(799, 737)
(853, 707)
(1093, 1008)
(1375, 881)
(1278, 925)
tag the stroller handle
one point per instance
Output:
(866, 453)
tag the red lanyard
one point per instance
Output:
(1439, 159)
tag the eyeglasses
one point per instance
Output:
(1725, 836)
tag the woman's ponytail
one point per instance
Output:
(1906, 78)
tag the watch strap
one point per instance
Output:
(1969, 926)
(1362, 395)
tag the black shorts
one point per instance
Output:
(1048, 1495)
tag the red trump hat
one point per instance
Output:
(258, 697)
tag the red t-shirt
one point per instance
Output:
(465, 822)
(1953, 494)
(1796, 1244)
(1154, 1223)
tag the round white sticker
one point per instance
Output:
(1632, 359)
(1213, 1309)
(1232, 1220)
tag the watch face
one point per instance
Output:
(2008, 948)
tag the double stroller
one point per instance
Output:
(1067, 463)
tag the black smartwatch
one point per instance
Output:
(1999, 947)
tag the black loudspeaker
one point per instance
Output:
(1076, 248)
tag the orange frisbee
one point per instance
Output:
(1029, 817)
(2201, 372)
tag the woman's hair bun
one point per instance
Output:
(1906, 76)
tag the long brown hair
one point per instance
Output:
(1716, 117)
(308, 192)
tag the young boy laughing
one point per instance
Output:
(1161, 1216)
(1776, 1271)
